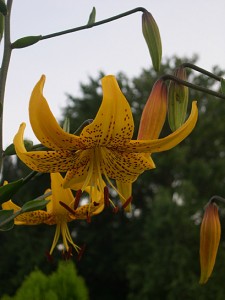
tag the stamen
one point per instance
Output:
(127, 202)
(49, 257)
(106, 196)
(66, 255)
(77, 199)
(81, 252)
(115, 209)
(67, 207)
(88, 218)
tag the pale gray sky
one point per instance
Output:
(187, 28)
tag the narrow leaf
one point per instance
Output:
(92, 17)
(4, 216)
(34, 205)
(26, 41)
(3, 8)
(8, 190)
(66, 125)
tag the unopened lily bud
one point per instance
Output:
(154, 113)
(209, 241)
(152, 37)
(222, 81)
(26, 41)
(177, 100)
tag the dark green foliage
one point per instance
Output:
(152, 253)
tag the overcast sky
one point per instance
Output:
(186, 27)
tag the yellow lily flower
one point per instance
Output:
(56, 214)
(104, 148)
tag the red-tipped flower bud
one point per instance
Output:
(209, 241)
(177, 100)
(152, 37)
(154, 113)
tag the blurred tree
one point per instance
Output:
(151, 253)
(64, 283)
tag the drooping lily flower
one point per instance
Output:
(56, 214)
(104, 151)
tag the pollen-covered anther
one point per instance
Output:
(77, 199)
(127, 202)
(67, 207)
(106, 196)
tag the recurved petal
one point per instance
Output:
(43, 161)
(125, 189)
(123, 166)
(168, 142)
(113, 123)
(44, 124)
(28, 218)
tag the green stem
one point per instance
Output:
(203, 71)
(3, 73)
(88, 26)
(216, 198)
(192, 86)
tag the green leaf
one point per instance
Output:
(10, 150)
(8, 190)
(3, 8)
(92, 17)
(4, 216)
(222, 85)
(34, 205)
(66, 125)
(26, 41)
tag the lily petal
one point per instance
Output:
(124, 167)
(28, 218)
(44, 124)
(113, 123)
(151, 146)
(43, 161)
(59, 194)
(125, 189)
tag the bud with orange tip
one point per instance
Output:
(209, 241)
(154, 113)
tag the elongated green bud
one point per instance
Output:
(154, 113)
(152, 37)
(177, 100)
(26, 41)
(222, 81)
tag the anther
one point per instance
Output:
(106, 196)
(115, 209)
(49, 257)
(88, 218)
(81, 252)
(67, 207)
(127, 202)
(77, 199)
